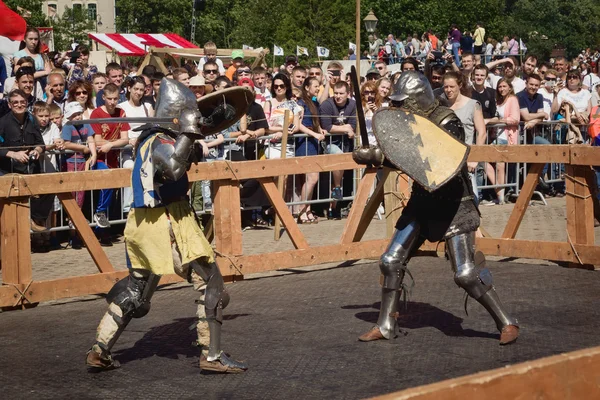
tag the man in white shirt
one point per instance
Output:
(510, 71)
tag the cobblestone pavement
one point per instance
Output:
(541, 222)
(299, 334)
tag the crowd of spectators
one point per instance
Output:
(500, 95)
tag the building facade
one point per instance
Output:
(101, 11)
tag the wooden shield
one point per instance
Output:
(238, 97)
(424, 151)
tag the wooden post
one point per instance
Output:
(281, 179)
(86, 233)
(283, 213)
(395, 190)
(580, 208)
(358, 206)
(227, 217)
(533, 174)
(10, 255)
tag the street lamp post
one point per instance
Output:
(370, 22)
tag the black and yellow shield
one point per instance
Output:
(424, 151)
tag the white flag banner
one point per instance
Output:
(322, 52)
(352, 46)
(246, 47)
(301, 51)
(522, 46)
(277, 51)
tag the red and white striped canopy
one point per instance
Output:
(135, 44)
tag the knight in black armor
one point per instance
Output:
(162, 234)
(449, 213)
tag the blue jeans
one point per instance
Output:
(106, 195)
(455, 49)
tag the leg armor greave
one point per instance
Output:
(129, 298)
(216, 299)
(475, 281)
(393, 265)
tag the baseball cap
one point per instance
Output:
(237, 54)
(246, 81)
(72, 108)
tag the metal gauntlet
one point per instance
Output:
(371, 155)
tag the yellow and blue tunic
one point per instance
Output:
(158, 210)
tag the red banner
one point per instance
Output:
(12, 25)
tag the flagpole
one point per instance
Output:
(357, 50)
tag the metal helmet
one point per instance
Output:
(188, 122)
(177, 101)
(415, 85)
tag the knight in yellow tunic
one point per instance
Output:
(163, 236)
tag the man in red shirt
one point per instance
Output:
(108, 136)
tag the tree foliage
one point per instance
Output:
(542, 24)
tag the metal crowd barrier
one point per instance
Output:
(250, 150)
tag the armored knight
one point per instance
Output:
(162, 234)
(448, 213)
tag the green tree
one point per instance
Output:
(38, 18)
(72, 27)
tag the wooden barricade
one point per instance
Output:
(18, 289)
(566, 376)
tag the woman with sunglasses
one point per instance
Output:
(308, 146)
(579, 100)
(81, 92)
(281, 92)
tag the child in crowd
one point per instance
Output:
(80, 139)
(98, 83)
(213, 149)
(52, 140)
(56, 115)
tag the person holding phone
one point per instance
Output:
(333, 76)
(80, 69)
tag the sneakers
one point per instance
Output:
(207, 206)
(223, 365)
(101, 219)
(37, 227)
(488, 202)
(336, 193)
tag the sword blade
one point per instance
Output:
(360, 114)
(133, 120)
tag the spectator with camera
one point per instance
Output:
(79, 67)
(20, 149)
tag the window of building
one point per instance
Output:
(92, 11)
(52, 8)
(77, 6)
